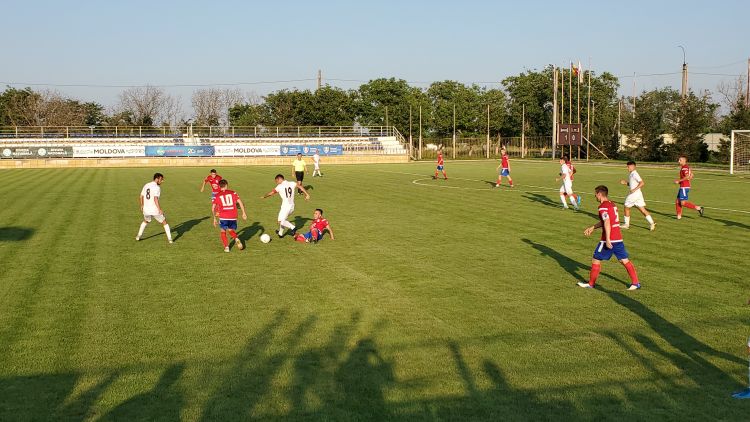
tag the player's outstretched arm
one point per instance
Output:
(140, 199)
(203, 185)
(213, 213)
(272, 193)
(242, 207)
(302, 188)
(330, 231)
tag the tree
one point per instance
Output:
(532, 90)
(395, 94)
(211, 105)
(691, 119)
(150, 106)
(469, 110)
(646, 127)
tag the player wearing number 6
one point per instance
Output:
(611, 242)
(225, 208)
(286, 189)
(150, 206)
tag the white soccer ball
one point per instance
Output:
(265, 238)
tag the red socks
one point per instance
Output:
(678, 208)
(233, 234)
(595, 268)
(689, 205)
(631, 272)
(224, 239)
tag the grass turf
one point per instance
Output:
(438, 300)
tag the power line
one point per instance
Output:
(155, 85)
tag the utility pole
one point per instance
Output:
(570, 96)
(454, 131)
(588, 116)
(523, 130)
(747, 86)
(411, 144)
(634, 96)
(320, 78)
(420, 132)
(554, 111)
(684, 90)
(619, 131)
(488, 130)
(386, 116)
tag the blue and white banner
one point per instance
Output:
(108, 151)
(246, 150)
(312, 149)
(179, 151)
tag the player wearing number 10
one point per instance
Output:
(225, 207)
(150, 206)
(611, 241)
(286, 189)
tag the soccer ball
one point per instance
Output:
(265, 238)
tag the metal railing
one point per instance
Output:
(476, 147)
(66, 132)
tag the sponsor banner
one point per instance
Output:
(246, 150)
(36, 152)
(312, 149)
(179, 151)
(97, 151)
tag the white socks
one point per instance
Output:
(650, 219)
(168, 232)
(562, 199)
(287, 224)
(143, 227)
(627, 220)
(573, 201)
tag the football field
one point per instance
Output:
(438, 300)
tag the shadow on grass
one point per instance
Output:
(570, 265)
(15, 234)
(729, 223)
(299, 222)
(693, 352)
(164, 400)
(248, 232)
(184, 227)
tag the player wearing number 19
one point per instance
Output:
(285, 189)
(225, 208)
(611, 241)
(150, 206)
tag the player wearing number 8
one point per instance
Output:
(150, 206)
(225, 208)
(611, 242)
(286, 189)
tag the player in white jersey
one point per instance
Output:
(150, 206)
(316, 162)
(285, 189)
(635, 197)
(566, 189)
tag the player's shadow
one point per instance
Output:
(248, 232)
(542, 199)
(15, 234)
(730, 223)
(693, 353)
(186, 226)
(570, 265)
(164, 399)
(300, 222)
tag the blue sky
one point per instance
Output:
(207, 42)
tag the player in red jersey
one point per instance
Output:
(317, 228)
(213, 180)
(611, 241)
(225, 208)
(504, 168)
(440, 165)
(686, 175)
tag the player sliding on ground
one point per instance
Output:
(611, 241)
(504, 168)
(566, 189)
(225, 208)
(317, 228)
(440, 164)
(686, 175)
(150, 207)
(213, 180)
(635, 197)
(285, 189)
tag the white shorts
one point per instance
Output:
(567, 187)
(158, 217)
(317, 166)
(635, 199)
(285, 211)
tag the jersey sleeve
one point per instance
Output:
(279, 188)
(143, 191)
(156, 192)
(637, 177)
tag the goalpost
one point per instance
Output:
(739, 151)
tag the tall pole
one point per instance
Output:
(747, 86)
(684, 90)
(562, 94)
(554, 111)
(619, 131)
(588, 117)
(523, 130)
(386, 116)
(634, 95)
(411, 143)
(570, 95)
(488, 130)
(454, 131)
(420, 132)
(320, 78)
(578, 102)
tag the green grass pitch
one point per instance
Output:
(438, 300)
